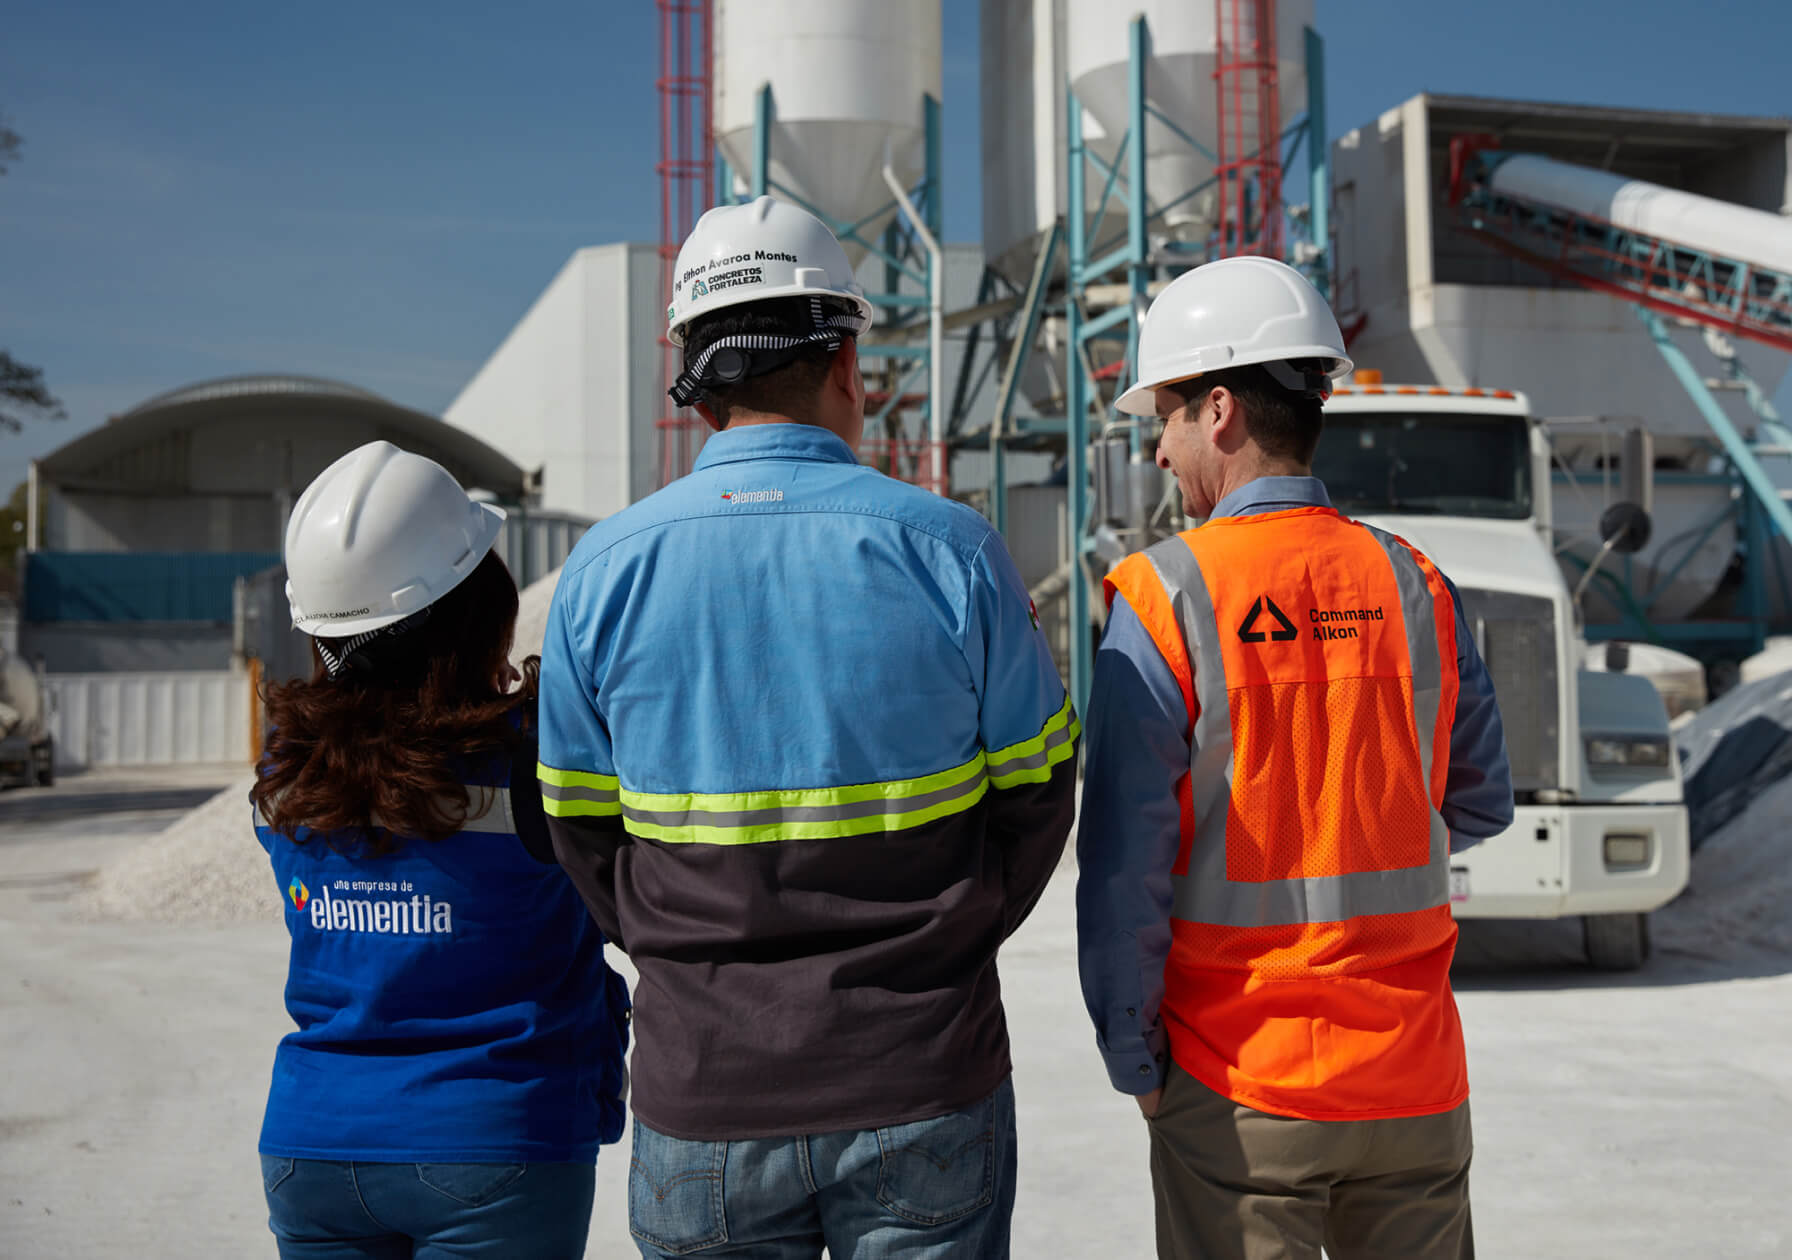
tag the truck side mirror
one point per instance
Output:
(1625, 528)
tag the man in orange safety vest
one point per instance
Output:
(1289, 731)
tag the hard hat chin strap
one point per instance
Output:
(1298, 378)
(730, 360)
(366, 653)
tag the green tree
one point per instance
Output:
(23, 394)
(13, 516)
(10, 141)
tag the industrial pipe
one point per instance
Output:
(936, 327)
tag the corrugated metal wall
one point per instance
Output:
(536, 544)
(149, 719)
(116, 586)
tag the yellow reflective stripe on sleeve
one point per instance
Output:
(578, 793)
(1031, 760)
(803, 814)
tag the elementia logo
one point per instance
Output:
(753, 496)
(298, 892)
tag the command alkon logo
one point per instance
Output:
(1264, 604)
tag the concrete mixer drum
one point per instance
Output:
(27, 752)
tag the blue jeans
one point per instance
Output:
(330, 1210)
(934, 1188)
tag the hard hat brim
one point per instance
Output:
(1140, 399)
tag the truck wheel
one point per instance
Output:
(44, 765)
(1616, 942)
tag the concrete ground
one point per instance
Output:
(1640, 1116)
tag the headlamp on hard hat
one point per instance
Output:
(1305, 378)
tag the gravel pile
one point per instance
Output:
(205, 867)
(1737, 900)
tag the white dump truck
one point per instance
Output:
(1600, 830)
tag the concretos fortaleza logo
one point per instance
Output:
(753, 496)
(699, 289)
(298, 892)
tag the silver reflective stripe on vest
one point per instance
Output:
(1419, 615)
(1205, 894)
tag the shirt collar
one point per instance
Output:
(773, 441)
(1272, 494)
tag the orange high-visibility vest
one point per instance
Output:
(1309, 968)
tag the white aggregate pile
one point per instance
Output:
(205, 867)
(532, 616)
(1737, 900)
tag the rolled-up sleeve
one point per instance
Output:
(1478, 791)
(1136, 751)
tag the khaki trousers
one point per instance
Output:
(1231, 1183)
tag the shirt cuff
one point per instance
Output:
(1138, 1068)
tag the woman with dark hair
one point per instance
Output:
(459, 1051)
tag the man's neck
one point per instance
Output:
(748, 419)
(1248, 470)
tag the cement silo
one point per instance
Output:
(844, 81)
(1032, 47)
(1180, 86)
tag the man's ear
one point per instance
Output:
(843, 369)
(703, 409)
(1229, 417)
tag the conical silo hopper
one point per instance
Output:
(847, 80)
(1180, 84)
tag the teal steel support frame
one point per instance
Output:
(1742, 457)
(1077, 404)
(1319, 170)
(764, 115)
(898, 252)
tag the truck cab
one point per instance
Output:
(1599, 827)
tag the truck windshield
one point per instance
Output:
(1447, 463)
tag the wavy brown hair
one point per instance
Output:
(378, 753)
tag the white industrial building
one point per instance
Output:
(1426, 302)
(572, 392)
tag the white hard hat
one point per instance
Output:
(380, 535)
(748, 253)
(1228, 314)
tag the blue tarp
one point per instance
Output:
(136, 585)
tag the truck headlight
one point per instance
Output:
(1648, 751)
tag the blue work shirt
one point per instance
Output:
(1131, 825)
(806, 755)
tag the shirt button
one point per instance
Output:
(1131, 1011)
(1145, 1069)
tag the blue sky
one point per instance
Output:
(375, 192)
